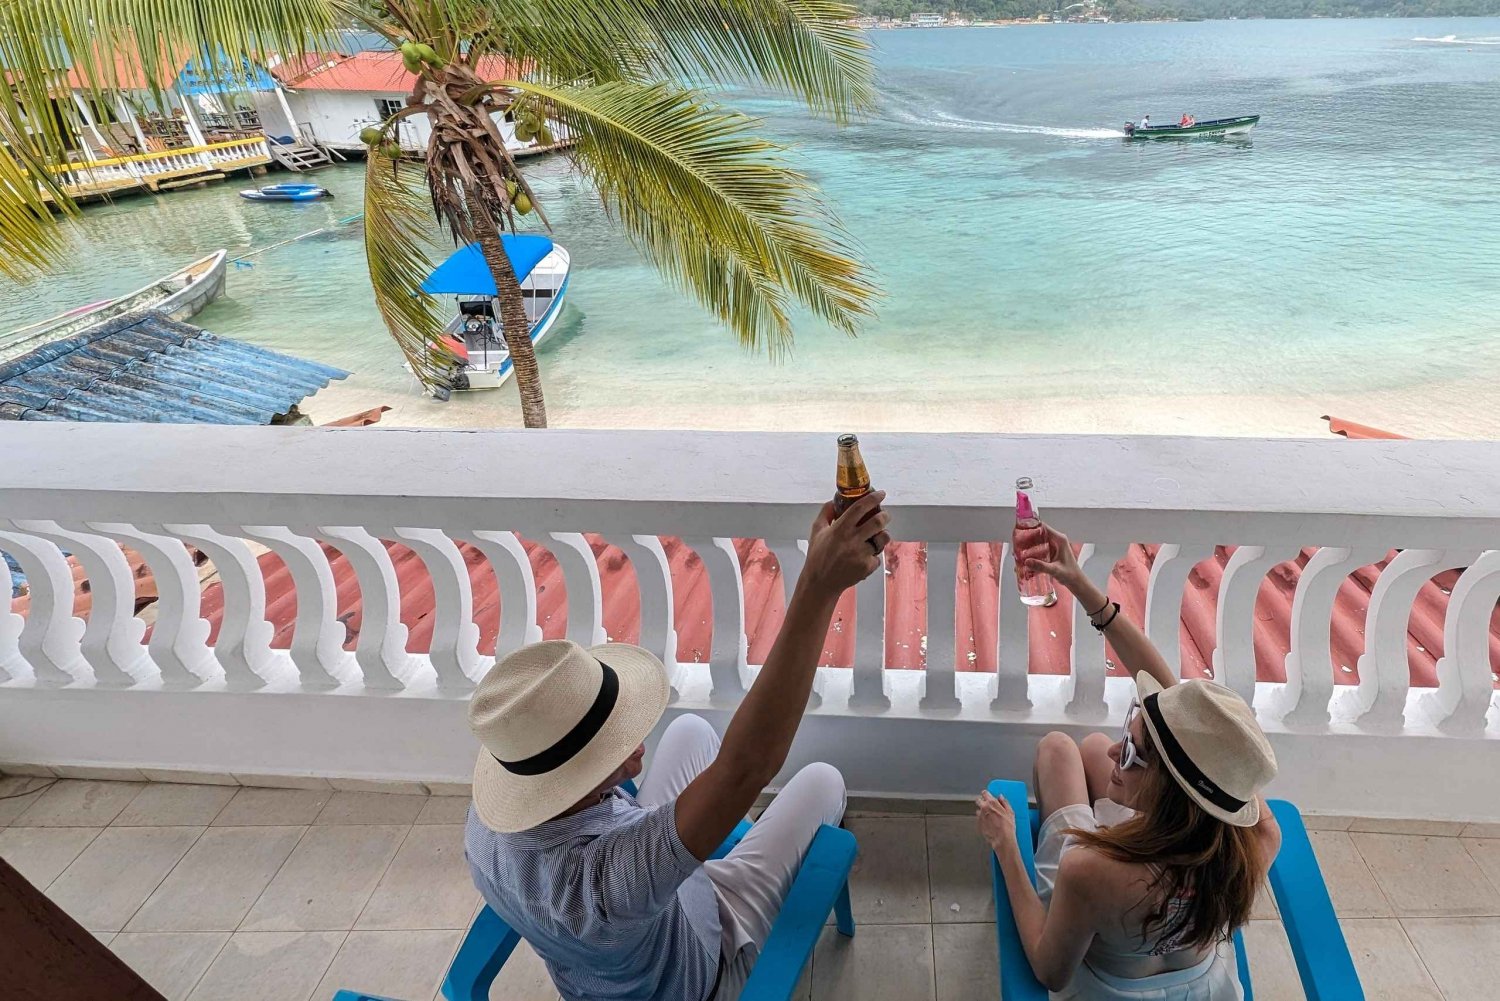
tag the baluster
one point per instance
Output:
(1085, 686)
(1013, 660)
(1466, 683)
(1234, 619)
(791, 556)
(868, 688)
(939, 682)
(318, 636)
(653, 581)
(179, 639)
(585, 592)
(380, 650)
(11, 664)
(1169, 574)
(727, 658)
(1309, 665)
(455, 637)
(49, 639)
(1384, 673)
(112, 638)
(512, 569)
(243, 646)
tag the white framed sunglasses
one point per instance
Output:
(1130, 755)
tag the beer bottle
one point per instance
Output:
(852, 479)
(1029, 540)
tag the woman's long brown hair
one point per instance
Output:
(1215, 867)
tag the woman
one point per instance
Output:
(1139, 892)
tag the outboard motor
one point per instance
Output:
(1129, 129)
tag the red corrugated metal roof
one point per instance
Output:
(367, 71)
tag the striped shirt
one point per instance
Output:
(609, 898)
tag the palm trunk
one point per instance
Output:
(515, 327)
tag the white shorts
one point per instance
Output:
(1216, 978)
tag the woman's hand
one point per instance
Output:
(1061, 562)
(845, 550)
(997, 823)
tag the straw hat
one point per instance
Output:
(555, 719)
(1211, 744)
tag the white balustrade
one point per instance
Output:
(72, 693)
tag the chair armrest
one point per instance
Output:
(1017, 982)
(486, 946)
(359, 996)
(820, 881)
(1323, 960)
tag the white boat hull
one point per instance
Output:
(181, 295)
(489, 366)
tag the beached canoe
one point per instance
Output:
(181, 295)
(1215, 127)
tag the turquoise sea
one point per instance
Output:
(1038, 271)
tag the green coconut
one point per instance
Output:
(523, 203)
(370, 136)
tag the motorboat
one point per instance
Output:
(475, 336)
(1214, 127)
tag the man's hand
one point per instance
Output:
(845, 550)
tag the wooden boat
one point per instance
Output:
(287, 193)
(475, 334)
(1214, 127)
(181, 295)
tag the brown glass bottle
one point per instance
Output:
(852, 479)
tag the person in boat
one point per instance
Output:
(614, 890)
(1152, 847)
(1145, 122)
(1186, 121)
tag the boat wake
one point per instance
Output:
(1455, 40)
(943, 120)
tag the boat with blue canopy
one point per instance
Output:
(476, 333)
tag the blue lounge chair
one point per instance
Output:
(821, 886)
(1323, 961)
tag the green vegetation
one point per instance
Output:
(1193, 10)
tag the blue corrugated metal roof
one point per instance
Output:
(145, 367)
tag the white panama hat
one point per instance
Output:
(1208, 738)
(555, 719)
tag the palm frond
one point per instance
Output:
(715, 208)
(396, 219)
(103, 48)
(802, 47)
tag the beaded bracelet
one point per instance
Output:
(1101, 626)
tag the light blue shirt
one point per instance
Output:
(609, 898)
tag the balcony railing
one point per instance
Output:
(132, 169)
(94, 693)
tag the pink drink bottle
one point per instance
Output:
(1029, 541)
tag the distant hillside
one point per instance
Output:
(1135, 10)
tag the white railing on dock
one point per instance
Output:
(91, 693)
(88, 174)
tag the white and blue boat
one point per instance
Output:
(287, 193)
(476, 332)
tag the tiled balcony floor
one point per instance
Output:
(223, 893)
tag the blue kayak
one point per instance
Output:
(287, 193)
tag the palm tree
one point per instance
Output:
(718, 209)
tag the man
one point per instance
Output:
(611, 890)
(1145, 122)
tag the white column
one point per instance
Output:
(1169, 574)
(195, 133)
(1466, 682)
(286, 109)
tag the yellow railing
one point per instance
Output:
(120, 161)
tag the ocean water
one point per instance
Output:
(1030, 258)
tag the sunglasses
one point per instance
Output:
(1130, 755)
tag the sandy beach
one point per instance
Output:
(1457, 409)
